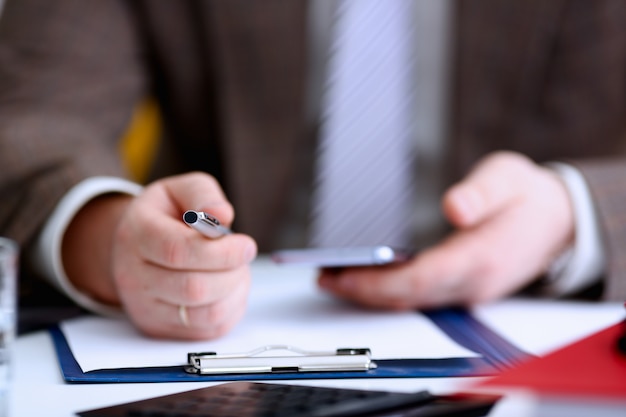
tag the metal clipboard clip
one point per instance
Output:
(296, 360)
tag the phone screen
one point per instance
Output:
(342, 257)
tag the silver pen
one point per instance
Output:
(206, 224)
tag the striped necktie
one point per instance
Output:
(364, 185)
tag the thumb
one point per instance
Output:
(495, 183)
(199, 191)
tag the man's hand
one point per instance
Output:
(137, 252)
(512, 218)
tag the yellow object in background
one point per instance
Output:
(139, 144)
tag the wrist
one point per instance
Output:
(87, 246)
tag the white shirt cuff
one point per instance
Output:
(47, 255)
(583, 263)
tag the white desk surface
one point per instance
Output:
(39, 389)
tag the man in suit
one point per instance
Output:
(544, 81)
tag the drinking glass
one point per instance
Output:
(8, 321)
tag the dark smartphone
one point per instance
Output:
(254, 399)
(342, 257)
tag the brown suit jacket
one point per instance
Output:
(546, 78)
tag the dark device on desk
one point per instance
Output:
(342, 257)
(253, 399)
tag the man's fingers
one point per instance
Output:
(456, 271)
(430, 280)
(161, 319)
(168, 242)
(196, 252)
(192, 288)
(198, 191)
(495, 183)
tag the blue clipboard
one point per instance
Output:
(496, 354)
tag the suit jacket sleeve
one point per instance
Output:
(606, 180)
(70, 75)
(592, 84)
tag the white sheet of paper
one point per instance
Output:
(285, 307)
(540, 326)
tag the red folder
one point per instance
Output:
(588, 375)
